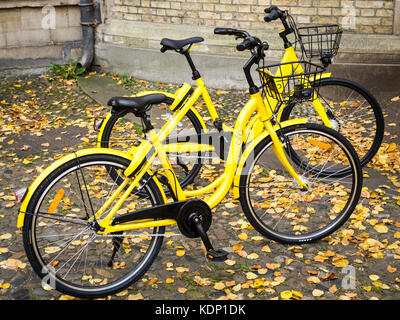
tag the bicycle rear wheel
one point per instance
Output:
(274, 203)
(119, 134)
(352, 110)
(64, 248)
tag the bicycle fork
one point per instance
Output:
(279, 151)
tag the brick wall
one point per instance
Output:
(357, 16)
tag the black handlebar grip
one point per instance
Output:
(272, 16)
(226, 31)
(244, 45)
(273, 13)
(270, 9)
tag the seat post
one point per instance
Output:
(195, 72)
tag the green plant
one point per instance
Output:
(67, 71)
(127, 79)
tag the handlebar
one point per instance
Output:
(256, 47)
(249, 42)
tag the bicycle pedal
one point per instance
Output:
(217, 255)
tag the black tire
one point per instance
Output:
(39, 231)
(367, 143)
(184, 174)
(267, 185)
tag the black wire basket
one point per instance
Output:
(320, 41)
(291, 81)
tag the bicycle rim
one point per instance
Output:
(276, 206)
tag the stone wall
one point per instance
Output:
(359, 16)
(35, 33)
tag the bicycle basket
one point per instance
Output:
(291, 81)
(320, 41)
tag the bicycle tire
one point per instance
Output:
(34, 232)
(337, 85)
(288, 234)
(189, 176)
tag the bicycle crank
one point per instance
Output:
(193, 217)
(194, 220)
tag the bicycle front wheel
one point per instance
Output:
(351, 109)
(63, 247)
(273, 201)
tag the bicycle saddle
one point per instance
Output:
(137, 104)
(169, 44)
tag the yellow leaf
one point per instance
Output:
(237, 246)
(230, 262)
(381, 228)
(169, 280)
(180, 253)
(219, 286)
(374, 277)
(395, 99)
(297, 294)
(286, 294)
(391, 269)
(242, 236)
(122, 293)
(340, 263)
(10, 142)
(391, 147)
(181, 269)
(313, 279)
(266, 249)
(252, 256)
(6, 236)
(66, 297)
(251, 276)
(5, 285)
(259, 283)
(137, 296)
(152, 281)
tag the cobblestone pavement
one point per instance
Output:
(42, 118)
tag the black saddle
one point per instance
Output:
(137, 105)
(169, 44)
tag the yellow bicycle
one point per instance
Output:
(340, 104)
(93, 222)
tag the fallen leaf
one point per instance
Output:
(180, 253)
(374, 277)
(395, 99)
(182, 290)
(286, 294)
(137, 296)
(219, 286)
(317, 293)
(242, 236)
(381, 228)
(6, 236)
(391, 269)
